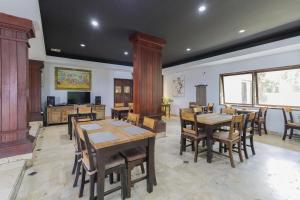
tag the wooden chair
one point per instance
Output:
(232, 137)
(210, 107)
(248, 133)
(133, 118)
(130, 106)
(228, 111)
(137, 157)
(118, 105)
(193, 134)
(289, 123)
(87, 110)
(115, 164)
(261, 120)
(77, 147)
(198, 110)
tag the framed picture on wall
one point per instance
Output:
(178, 86)
(72, 79)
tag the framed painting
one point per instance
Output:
(72, 79)
(178, 86)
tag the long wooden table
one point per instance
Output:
(125, 141)
(212, 121)
(118, 111)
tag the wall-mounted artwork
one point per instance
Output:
(178, 86)
(72, 79)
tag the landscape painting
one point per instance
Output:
(72, 79)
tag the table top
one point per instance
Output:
(121, 108)
(213, 118)
(114, 133)
(246, 110)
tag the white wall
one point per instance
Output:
(102, 79)
(214, 67)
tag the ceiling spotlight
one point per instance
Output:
(242, 31)
(188, 49)
(94, 23)
(55, 50)
(202, 8)
(82, 45)
(125, 53)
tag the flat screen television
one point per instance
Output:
(79, 97)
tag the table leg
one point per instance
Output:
(150, 164)
(209, 132)
(112, 114)
(100, 175)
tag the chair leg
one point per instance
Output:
(291, 133)
(259, 129)
(92, 186)
(231, 156)
(123, 179)
(285, 133)
(196, 151)
(265, 128)
(118, 177)
(128, 192)
(111, 178)
(75, 164)
(193, 145)
(225, 148)
(77, 174)
(82, 182)
(220, 147)
(245, 148)
(182, 144)
(240, 151)
(252, 145)
(142, 168)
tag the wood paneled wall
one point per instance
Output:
(35, 68)
(14, 35)
(147, 74)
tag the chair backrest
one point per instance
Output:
(130, 106)
(287, 111)
(117, 105)
(198, 110)
(188, 118)
(84, 109)
(78, 141)
(228, 111)
(89, 152)
(249, 123)
(210, 107)
(263, 112)
(190, 110)
(133, 118)
(236, 126)
(228, 106)
(149, 123)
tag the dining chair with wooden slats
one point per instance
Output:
(133, 118)
(198, 110)
(84, 109)
(210, 107)
(232, 137)
(261, 119)
(248, 133)
(289, 122)
(190, 131)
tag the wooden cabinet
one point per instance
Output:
(123, 91)
(59, 114)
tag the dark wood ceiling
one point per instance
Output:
(66, 24)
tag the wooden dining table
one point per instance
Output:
(123, 140)
(211, 122)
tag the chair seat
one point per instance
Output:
(293, 124)
(195, 136)
(134, 154)
(222, 135)
(113, 161)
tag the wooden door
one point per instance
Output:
(123, 91)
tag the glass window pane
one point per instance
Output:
(279, 87)
(238, 89)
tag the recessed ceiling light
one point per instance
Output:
(242, 31)
(126, 53)
(94, 23)
(188, 49)
(55, 50)
(82, 45)
(202, 8)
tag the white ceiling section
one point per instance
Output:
(28, 9)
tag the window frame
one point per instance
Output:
(255, 92)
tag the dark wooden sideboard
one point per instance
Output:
(59, 114)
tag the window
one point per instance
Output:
(272, 87)
(279, 87)
(238, 89)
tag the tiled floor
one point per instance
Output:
(274, 173)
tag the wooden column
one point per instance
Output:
(147, 74)
(14, 35)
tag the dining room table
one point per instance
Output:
(115, 136)
(210, 122)
(241, 110)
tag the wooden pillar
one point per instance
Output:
(147, 74)
(14, 35)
